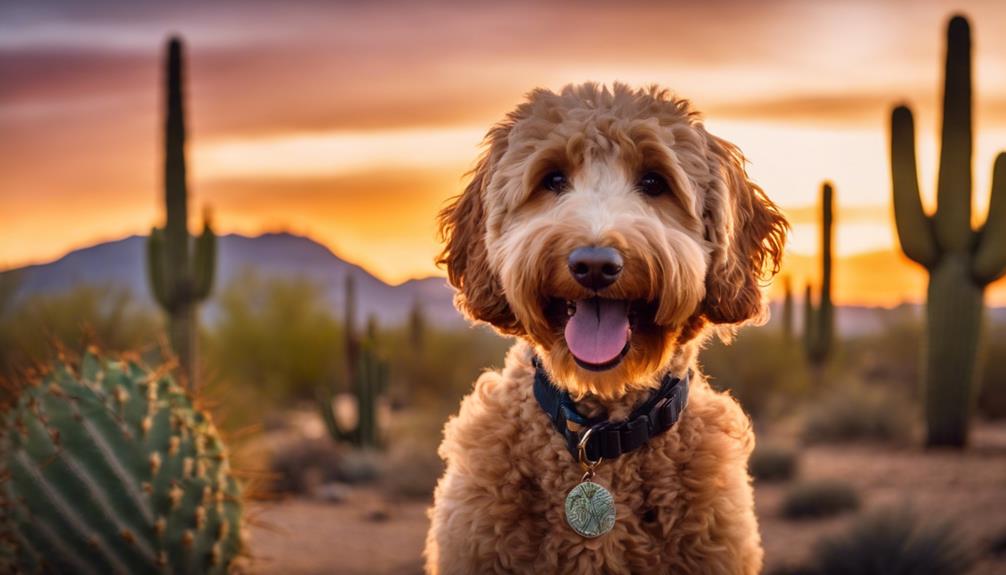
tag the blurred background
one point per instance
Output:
(321, 139)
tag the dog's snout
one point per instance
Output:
(594, 267)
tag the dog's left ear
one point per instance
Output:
(748, 233)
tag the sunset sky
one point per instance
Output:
(353, 121)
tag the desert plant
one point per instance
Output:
(819, 321)
(89, 314)
(850, 412)
(960, 261)
(275, 336)
(370, 381)
(180, 270)
(892, 542)
(788, 319)
(770, 463)
(818, 499)
(110, 468)
(758, 369)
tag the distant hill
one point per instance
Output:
(121, 263)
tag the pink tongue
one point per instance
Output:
(598, 330)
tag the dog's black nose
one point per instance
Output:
(595, 268)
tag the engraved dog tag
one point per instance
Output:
(590, 509)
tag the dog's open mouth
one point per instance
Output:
(597, 330)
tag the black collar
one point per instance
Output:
(610, 439)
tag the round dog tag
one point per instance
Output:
(590, 509)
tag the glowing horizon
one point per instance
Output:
(358, 139)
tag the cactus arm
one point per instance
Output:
(990, 257)
(915, 228)
(204, 264)
(324, 398)
(155, 268)
(953, 216)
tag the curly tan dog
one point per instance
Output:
(611, 233)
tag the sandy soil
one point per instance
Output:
(370, 534)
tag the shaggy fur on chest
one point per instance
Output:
(683, 502)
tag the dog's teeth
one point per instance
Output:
(570, 308)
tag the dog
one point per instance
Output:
(611, 234)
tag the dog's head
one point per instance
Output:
(608, 227)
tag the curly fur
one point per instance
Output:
(696, 256)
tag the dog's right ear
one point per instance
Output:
(463, 230)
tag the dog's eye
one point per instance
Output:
(653, 184)
(554, 181)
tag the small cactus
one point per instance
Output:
(819, 321)
(370, 381)
(788, 319)
(961, 261)
(111, 469)
(180, 271)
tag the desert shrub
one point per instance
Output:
(790, 570)
(303, 466)
(276, 336)
(412, 470)
(892, 356)
(33, 328)
(435, 373)
(818, 499)
(892, 542)
(855, 412)
(758, 367)
(772, 463)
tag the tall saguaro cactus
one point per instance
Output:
(180, 269)
(819, 322)
(960, 260)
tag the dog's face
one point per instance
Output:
(608, 227)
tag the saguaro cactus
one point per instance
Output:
(180, 270)
(370, 381)
(110, 468)
(960, 260)
(819, 322)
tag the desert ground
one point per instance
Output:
(369, 532)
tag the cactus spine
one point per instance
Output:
(111, 469)
(180, 270)
(819, 322)
(960, 261)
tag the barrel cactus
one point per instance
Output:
(960, 261)
(110, 468)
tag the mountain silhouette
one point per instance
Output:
(121, 264)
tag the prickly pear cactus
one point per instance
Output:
(111, 469)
